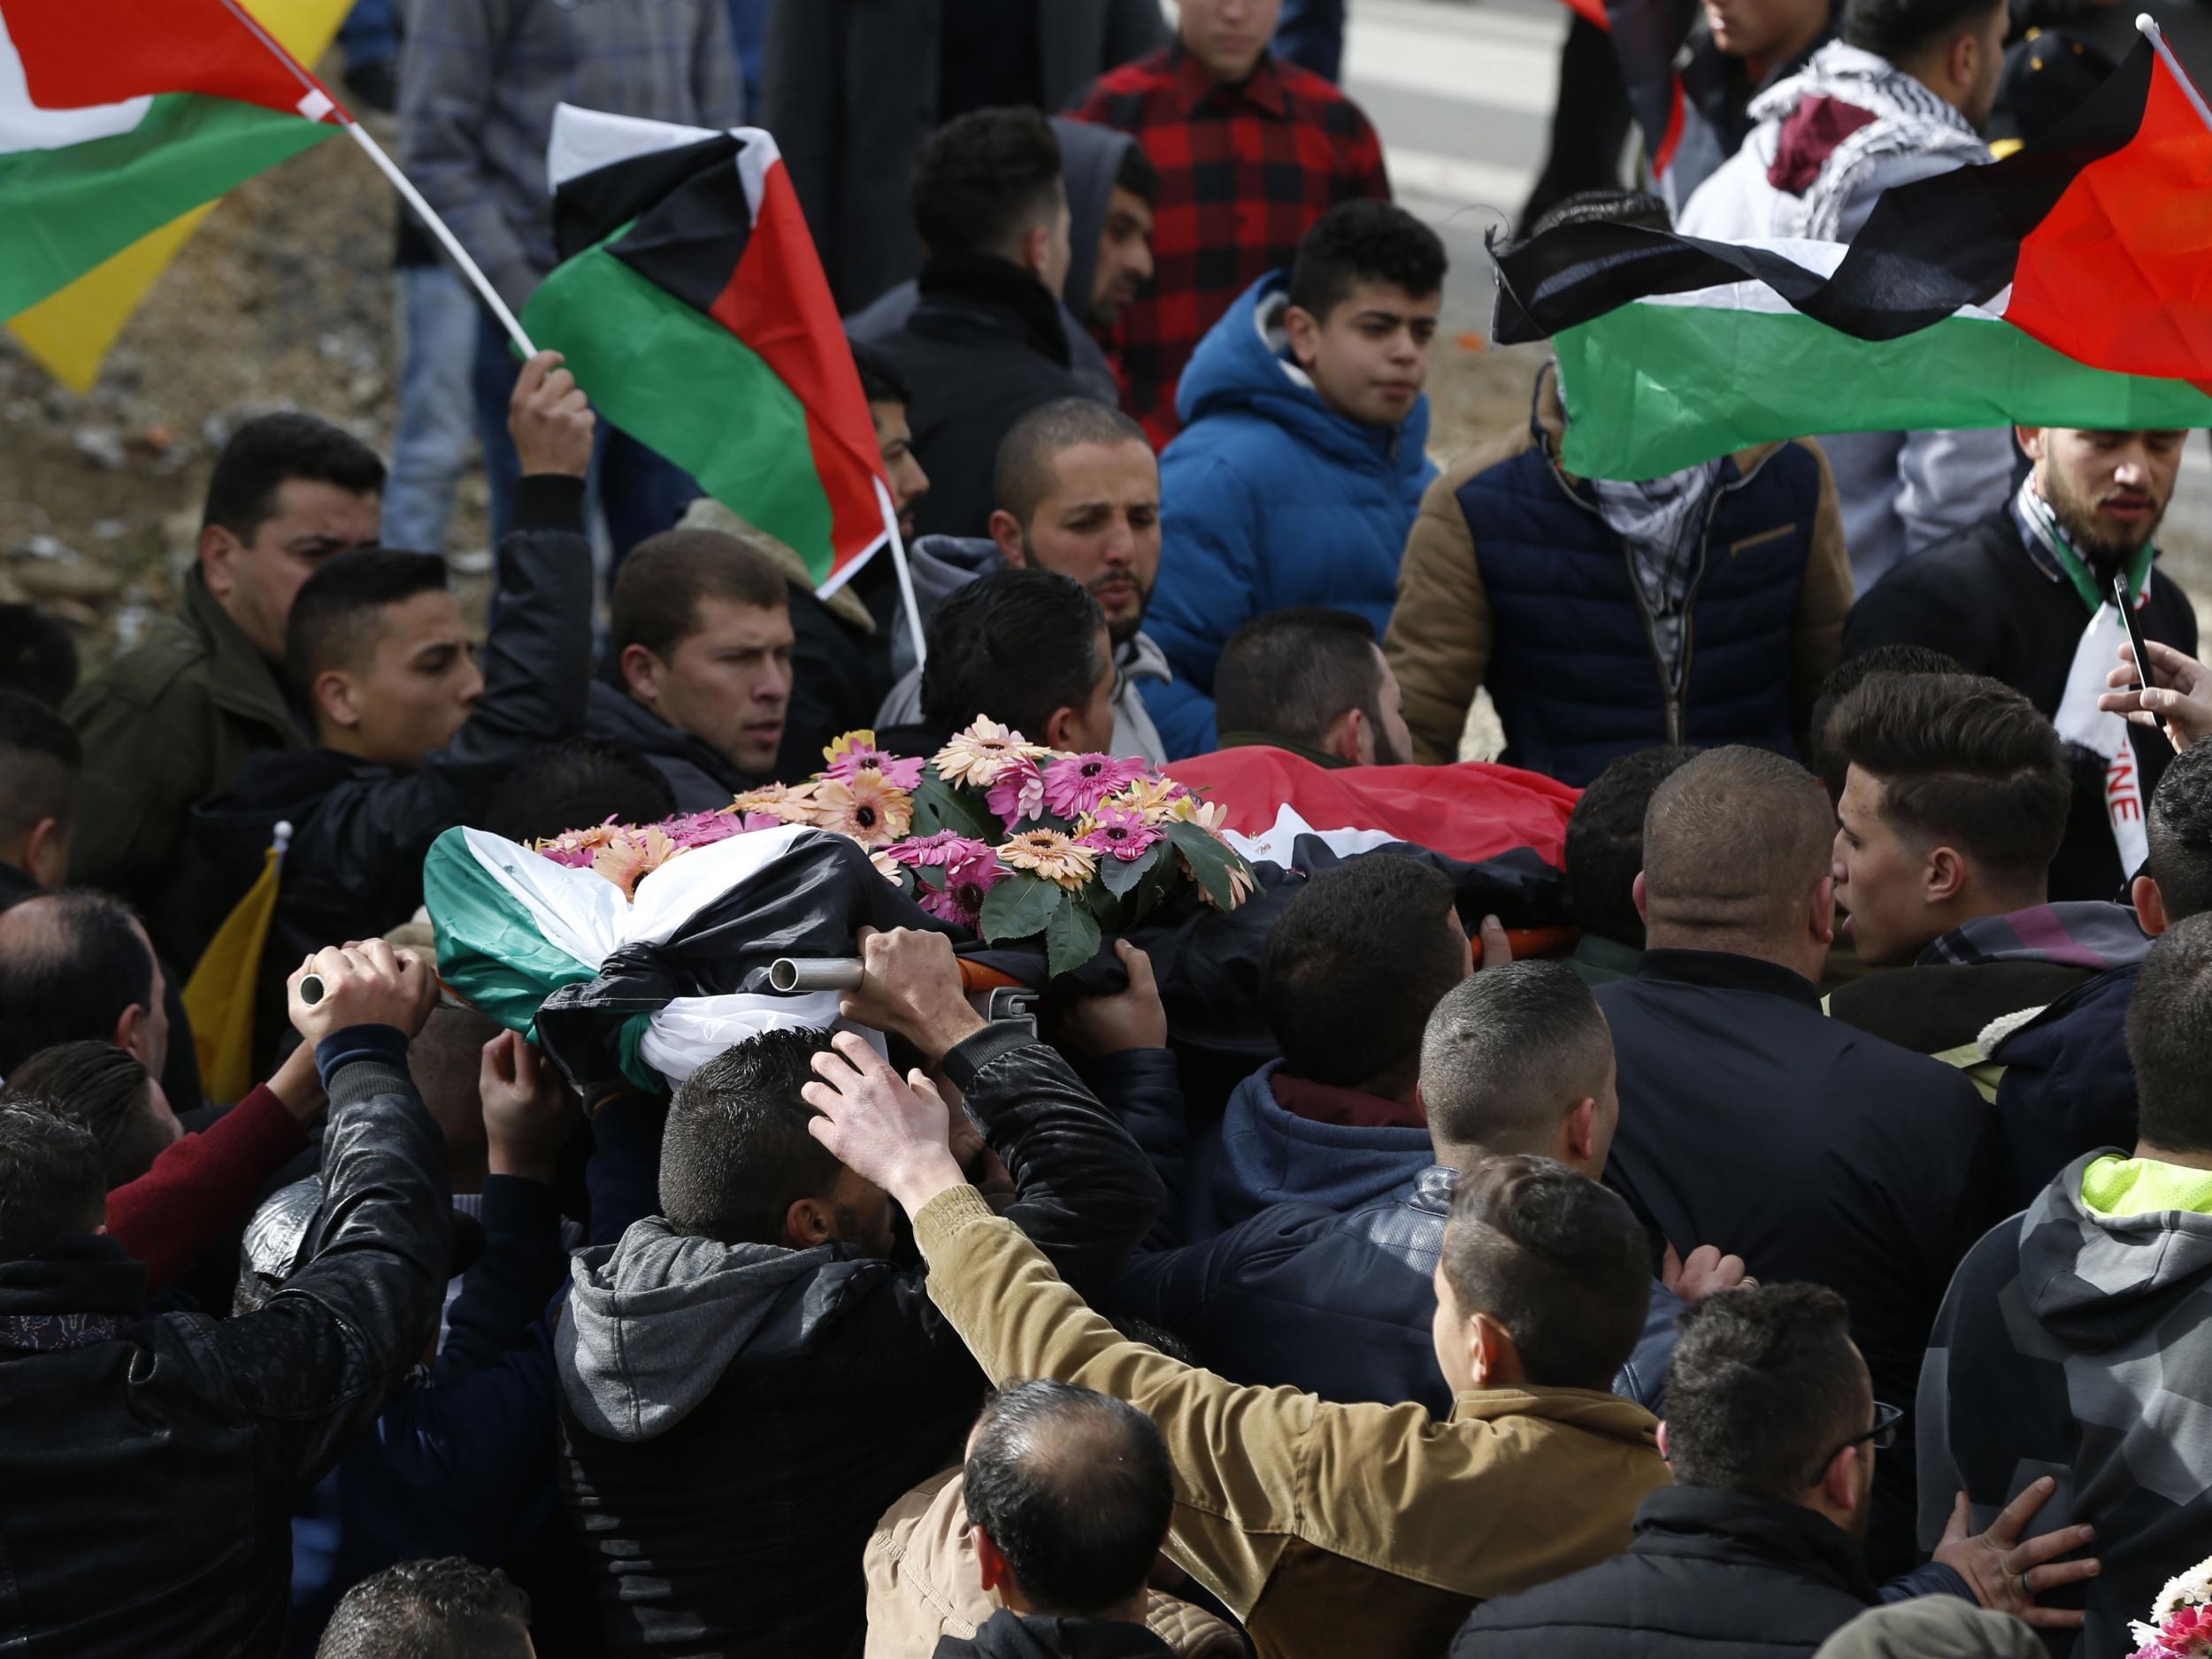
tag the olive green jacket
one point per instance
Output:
(1330, 1529)
(166, 727)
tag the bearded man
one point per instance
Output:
(2026, 596)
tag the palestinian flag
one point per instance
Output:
(2069, 285)
(116, 115)
(693, 310)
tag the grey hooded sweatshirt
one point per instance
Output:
(734, 1418)
(2078, 1345)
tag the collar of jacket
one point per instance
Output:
(1321, 1103)
(1288, 745)
(2087, 933)
(1547, 427)
(1195, 86)
(1432, 1190)
(79, 1273)
(1140, 658)
(1593, 1412)
(240, 680)
(1725, 970)
(985, 282)
(1707, 1523)
(1608, 955)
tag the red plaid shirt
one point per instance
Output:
(1244, 172)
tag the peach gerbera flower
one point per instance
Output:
(1051, 855)
(865, 806)
(976, 757)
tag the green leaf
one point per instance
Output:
(931, 876)
(1118, 878)
(1071, 937)
(938, 806)
(1210, 861)
(1018, 907)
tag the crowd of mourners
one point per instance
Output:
(1817, 1260)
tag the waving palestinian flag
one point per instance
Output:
(692, 308)
(2069, 285)
(116, 115)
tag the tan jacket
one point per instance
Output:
(924, 1583)
(1440, 637)
(1328, 1529)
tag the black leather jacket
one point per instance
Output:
(149, 1464)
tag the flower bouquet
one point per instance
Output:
(993, 833)
(2181, 1618)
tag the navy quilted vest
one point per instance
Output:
(1572, 670)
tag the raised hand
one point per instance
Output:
(2007, 1574)
(1131, 1019)
(885, 1129)
(910, 985)
(364, 983)
(550, 420)
(528, 1117)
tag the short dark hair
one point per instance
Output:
(1353, 967)
(1363, 241)
(1075, 1488)
(1613, 206)
(982, 177)
(1733, 839)
(70, 962)
(101, 1086)
(1963, 760)
(880, 381)
(736, 1154)
(657, 590)
(1828, 762)
(37, 656)
(1556, 1259)
(2179, 827)
(265, 454)
(1605, 842)
(1137, 175)
(1295, 670)
(52, 1179)
(1506, 1050)
(2169, 1039)
(1762, 1387)
(1901, 30)
(40, 758)
(1025, 476)
(1015, 645)
(574, 784)
(430, 1610)
(335, 620)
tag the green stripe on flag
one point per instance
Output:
(66, 209)
(1652, 387)
(680, 382)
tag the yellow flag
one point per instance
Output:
(69, 332)
(219, 999)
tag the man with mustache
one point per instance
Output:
(2025, 596)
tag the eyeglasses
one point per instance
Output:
(1881, 1437)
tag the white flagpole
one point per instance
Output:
(2148, 24)
(315, 103)
(906, 575)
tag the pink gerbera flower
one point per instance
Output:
(961, 899)
(947, 847)
(856, 752)
(1075, 785)
(703, 829)
(1120, 831)
(1017, 792)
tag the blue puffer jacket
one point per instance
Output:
(1268, 499)
(1575, 676)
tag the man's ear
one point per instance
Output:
(1636, 892)
(1577, 1126)
(218, 547)
(1821, 912)
(989, 1559)
(1036, 251)
(336, 698)
(1662, 1438)
(130, 1032)
(2031, 441)
(1839, 1481)
(808, 1223)
(1060, 730)
(1945, 876)
(1304, 329)
(1006, 534)
(641, 672)
(1496, 1360)
(2150, 906)
(1342, 738)
(42, 853)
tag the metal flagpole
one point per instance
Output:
(2148, 24)
(906, 575)
(315, 103)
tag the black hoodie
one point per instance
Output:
(1009, 1635)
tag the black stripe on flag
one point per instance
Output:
(592, 206)
(1927, 249)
